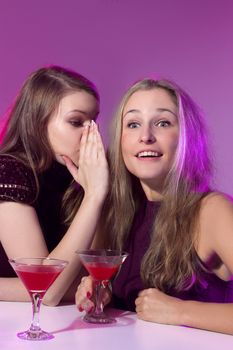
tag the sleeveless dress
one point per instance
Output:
(17, 184)
(128, 283)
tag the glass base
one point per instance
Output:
(101, 318)
(39, 335)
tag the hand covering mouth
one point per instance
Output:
(149, 154)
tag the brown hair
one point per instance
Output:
(25, 133)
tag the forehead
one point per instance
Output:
(156, 97)
(76, 102)
(79, 99)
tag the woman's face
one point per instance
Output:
(65, 126)
(150, 133)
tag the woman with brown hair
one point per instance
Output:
(51, 160)
(162, 211)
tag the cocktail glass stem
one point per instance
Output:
(99, 286)
(35, 332)
(98, 315)
(36, 303)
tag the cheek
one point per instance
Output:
(126, 142)
(72, 141)
(173, 143)
(63, 139)
(55, 132)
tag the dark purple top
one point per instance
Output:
(128, 282)
(17, 183)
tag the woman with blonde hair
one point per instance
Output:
(51, 160)
(162, 211)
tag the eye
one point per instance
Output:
(76, 123)
(133, 125)
(163, 123)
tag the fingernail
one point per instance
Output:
(80, 308)
(88, 295)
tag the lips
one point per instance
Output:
(149, 154)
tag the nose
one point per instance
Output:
(147, 136)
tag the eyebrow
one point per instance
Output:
(157, 110)
(95, 113)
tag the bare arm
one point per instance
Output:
(13, 289)
(21, 234)
(209, 316)
(216, 237)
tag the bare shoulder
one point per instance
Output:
(216, 225)
(217, 204)
(216, 212)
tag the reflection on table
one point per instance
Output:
(71, 332)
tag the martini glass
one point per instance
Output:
(37, 274)
(102, 265)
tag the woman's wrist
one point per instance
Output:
(183, 312)
(95, 198)
(99, 194)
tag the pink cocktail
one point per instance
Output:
(102, 265)
(37, 274)
(37, 278)
(101, 272)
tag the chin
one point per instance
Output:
(156, 179)
(150, 177)
(59, 160)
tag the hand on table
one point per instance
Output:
(156, 306)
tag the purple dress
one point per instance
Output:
(17, 184)
(128, 283)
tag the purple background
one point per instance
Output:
(115, 42)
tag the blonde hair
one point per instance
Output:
(170, 261)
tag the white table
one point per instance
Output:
(129, 333)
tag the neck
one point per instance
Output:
(153, 193)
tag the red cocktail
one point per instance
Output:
(37, 274)
(101, 272)
(102, 265)
(37, 278)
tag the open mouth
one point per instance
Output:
(149, 154)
